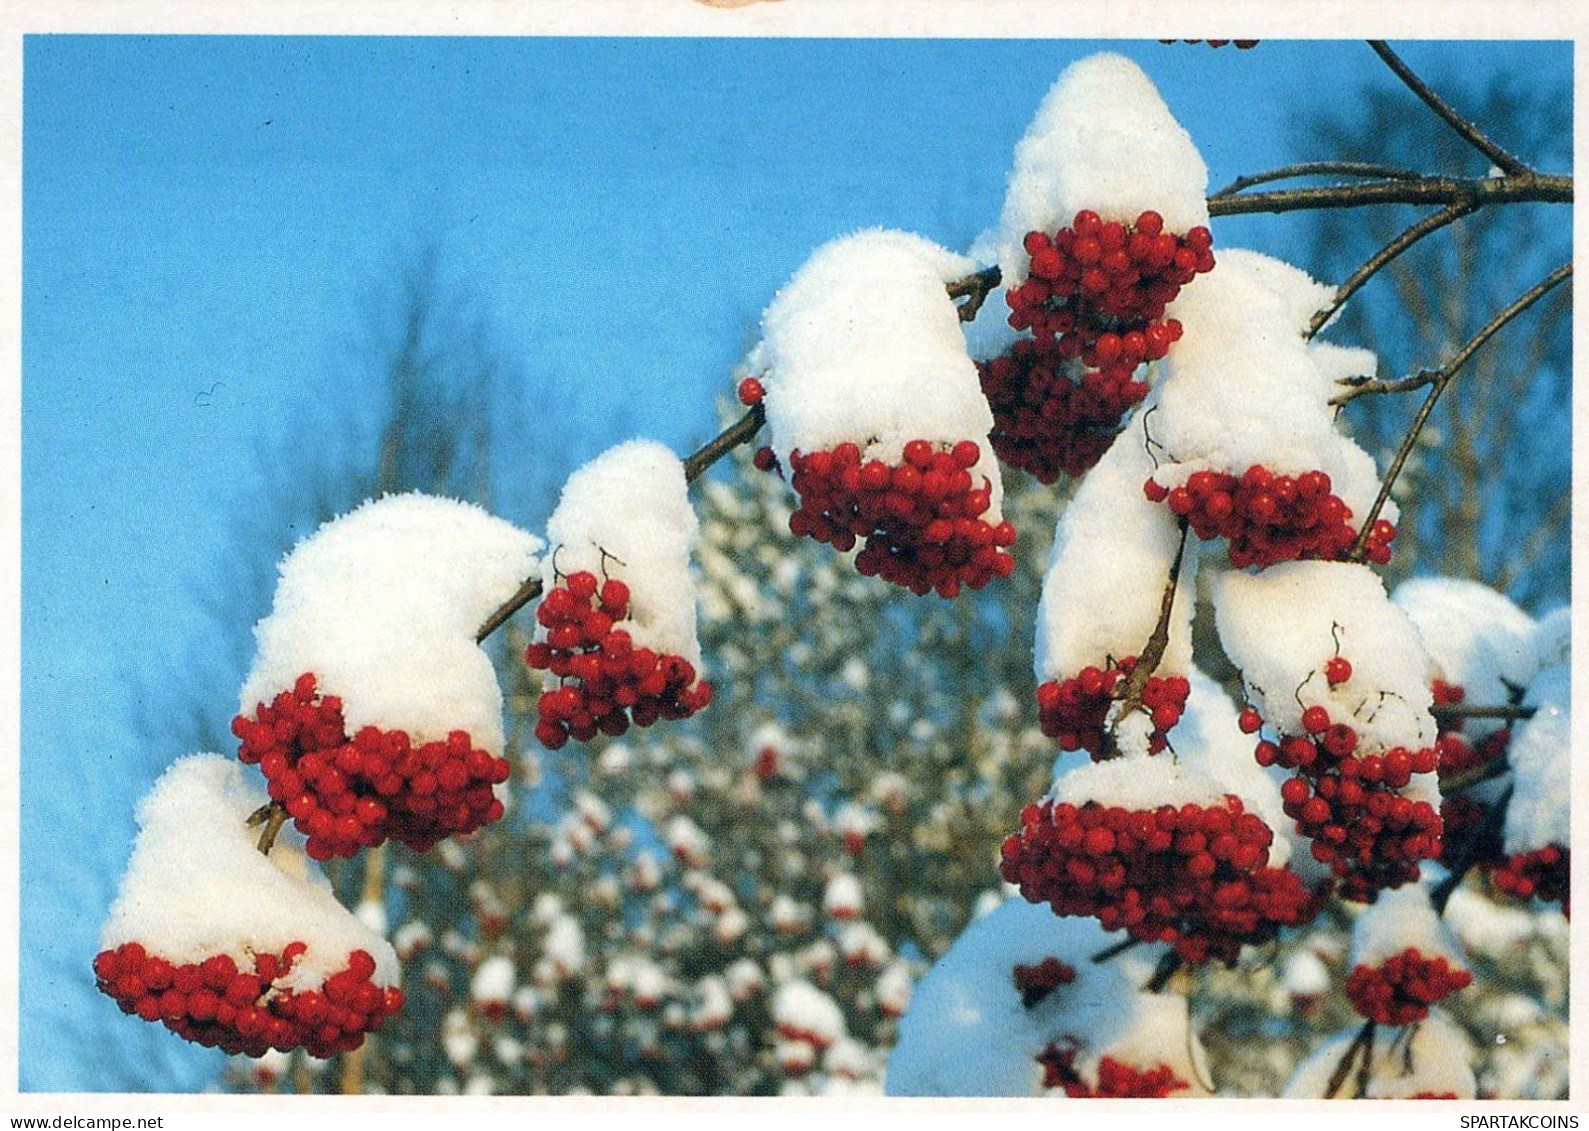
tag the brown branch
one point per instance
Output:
(1383, 257)
(1318, 169)
(1114, 950)
(273, 816)
(1129, 691)
(1521, 188)
(1464, 128)
(527, 592)
(1363, 1042)
(1439, 379)
(1364, 386)
(1473, 711)
(737, 433)
(1163, 972)
(975, 289)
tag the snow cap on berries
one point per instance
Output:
(1112, 556)
(1400, 919)
(1283, 625)
(198, 887)
(492, 985)
(1244, 389)
(626, 514)
(864, 345)
(1539, 813)
(1435, 1058)
(382, 606)
(968, 1031)
(1102, 140)
(803, 1012)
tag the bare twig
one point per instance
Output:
(530, 590)
(1464, 128)
(1363, 1042)
(1129, 692)
(1163, 972)
(737, 433)
(273, 817)
(1114, 950)
(1525, 187)
(975, 289)
(1318, 169)
(1439, 379)
(1474, 711)
(1382, 258)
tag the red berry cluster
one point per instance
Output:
(1545, 873)
(1270, 518)
(1097, 290)
(1075, 710)
(1116, 1081)
(607, 682)
(1045, 422)
(919, 521)
(1242, 44)
(1192, 876)
(215, 1004)
(1401, 989)
(1039, 979)
(347, 794)
(1348, 805)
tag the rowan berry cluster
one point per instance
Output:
(1076, 710)
(607, 682)
(1270, 518)
(919, 521)
(1048, 422)
(215, 1004)
(1194, 876)
(1400, 990)
(1116, 1081)
(1349, 805)
(1544, 874)
(1242, 44)
(1035, 981)
(346, 794)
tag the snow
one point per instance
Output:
(1475, 638)
(383, 604)
(1282, 625)
(1243, 388)
(1102, 139)
(1111, 560)
(197, 886)
(1399, 919)
(1305, 974)
(842, 896)
(1553, 637)
(493, 981)
(967, 1033)
(1436, 1057)
(1137, 783)
(864, 345)
(801, 1010)
(1540, 810)
(626, 514)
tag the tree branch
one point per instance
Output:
(1318, 169)
(1439, 379)
(1442, 711)
(1525, 187)
(737, 433)
(1465, 129)
(975, 289)
(1382, 258)
(1129, 692)
(273, 816)
(1363, 1042)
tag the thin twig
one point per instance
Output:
(1114, 949)
(1473, 711)
(273, 816)
(975, 289)
(1382, 258)
(737, 433)
(1364, 386)
(1439, 379)
(1163, 972)
(1364, 1040)
(1129, 693)
(527, 592)
(1464, 128)
(1318, 169)
(1526, 187)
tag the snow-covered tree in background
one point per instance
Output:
(744, 901)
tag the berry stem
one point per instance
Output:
(1464, 128)
(1114, 950)
(737, 433)
(1163, 972)
(1129, 692)
(273, 817)
(527, 592)
(1438, 380)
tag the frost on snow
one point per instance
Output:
(626, 514)
(1539, 813)
(864, 345)
(382, 606)
(197, 885)
(1103, 140)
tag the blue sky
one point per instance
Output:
(204, 220)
